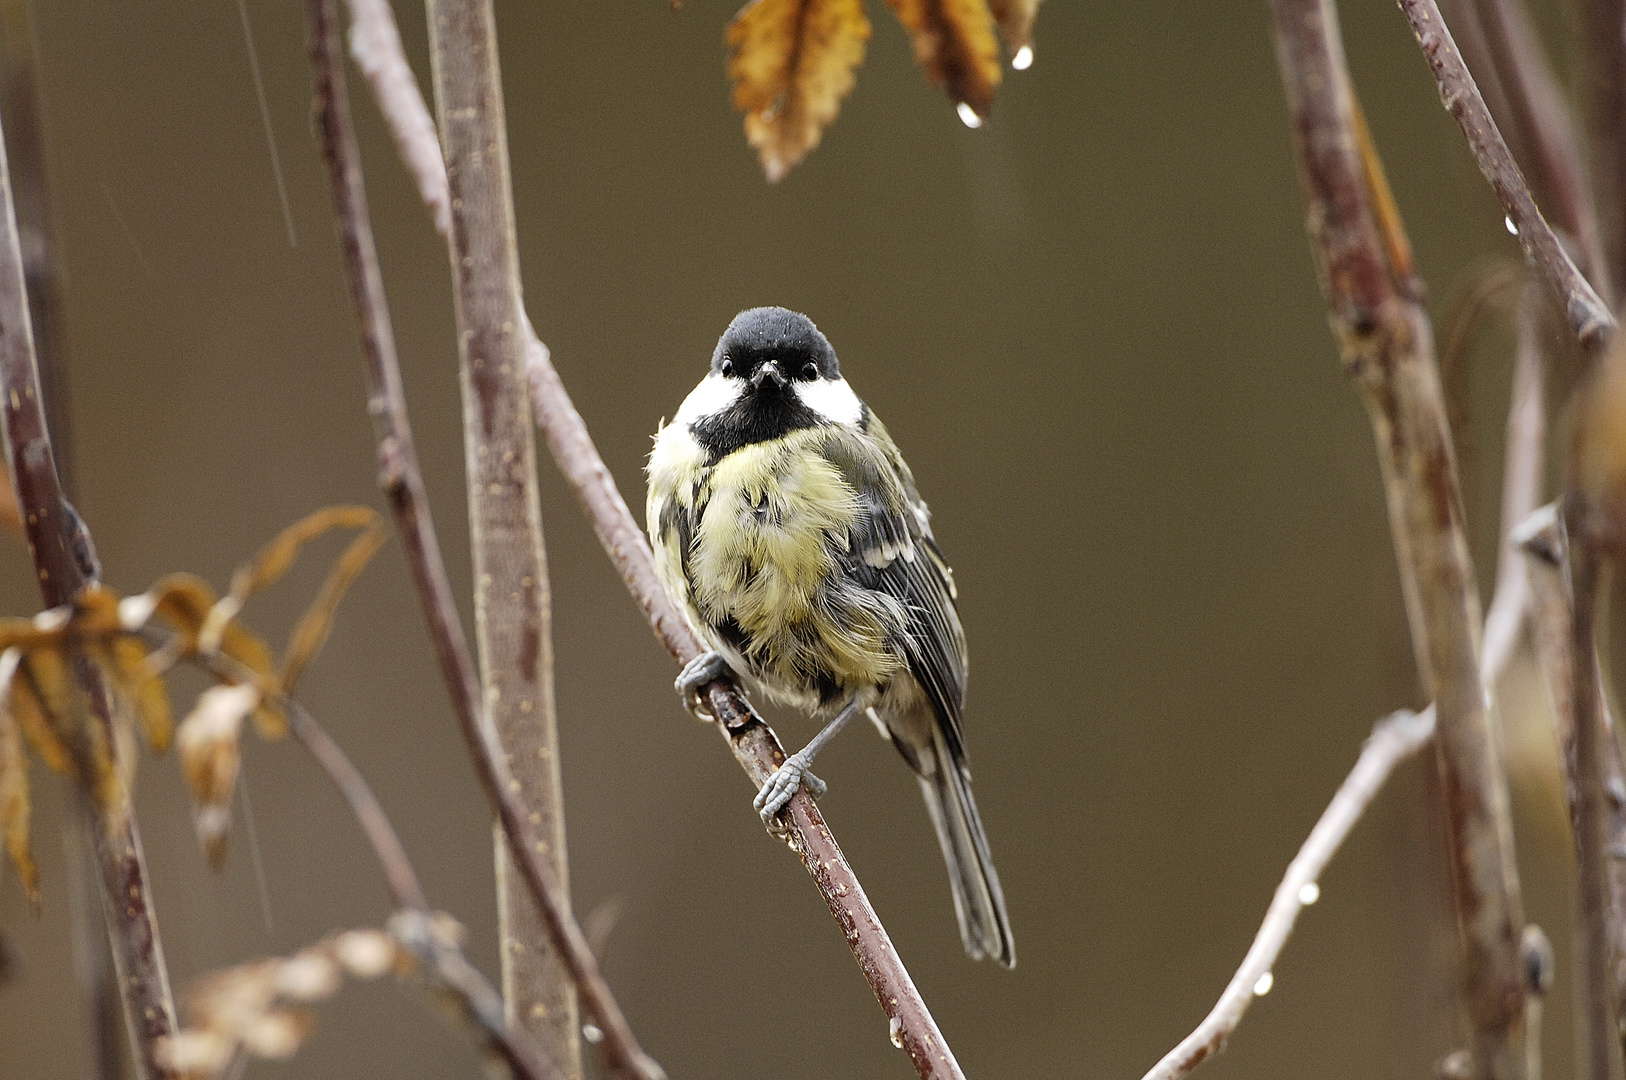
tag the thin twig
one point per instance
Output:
(1589, 318)
(63, 559)
(1394, 739)
(1538, 120)
(402, 481)
(1386, 343)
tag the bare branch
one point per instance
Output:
(1589, 318)
(1601, 42)
(1395, 739)
(402, 481)
(1386, 343)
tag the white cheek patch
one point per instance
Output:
(714, 394)
(832, 399)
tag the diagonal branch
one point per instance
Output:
(1589, 318)
(402, 481)
(1386, 344)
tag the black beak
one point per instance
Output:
(768, 372)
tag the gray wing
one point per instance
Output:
(891, 550)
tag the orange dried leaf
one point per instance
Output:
(37, 725)
(52, 681)
(1015, 18)
(791, 63)
(274, 559)
(143, 690)
(11, 514)
(313, 627)
(182, 600)
(954, 41)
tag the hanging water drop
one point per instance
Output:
(1513, 230)
(968, 115)
(1023, 58)
(1309, 893)
(894, 1031)
(1262, 986)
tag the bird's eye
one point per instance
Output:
(810, 371)
(727, 367)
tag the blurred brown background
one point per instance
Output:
(1093, 327)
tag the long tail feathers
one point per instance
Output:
(984, 926)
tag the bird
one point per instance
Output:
(788, 528)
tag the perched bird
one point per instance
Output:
(787, 526)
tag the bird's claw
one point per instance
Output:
(705, 668)
(797, 770)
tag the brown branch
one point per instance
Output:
(22, 119)
(1386, 344)
(63, 560)
(1589, 318)
(512, 606)
(402, 481)
(1394, 739)
(752, 741)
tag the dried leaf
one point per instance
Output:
(791, 63)
(275, 558)
(182, 600)
(1015, 18)
(312, 629)
(11, 515)
(954, 42)
(15, 807)
(143, 691)
(247, 1007)
(37, 725)
(208, 742)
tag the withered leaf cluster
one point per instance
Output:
(792, 61)
(135, 641)
(259, 1008)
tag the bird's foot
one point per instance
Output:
(705, 668)
(797, 770)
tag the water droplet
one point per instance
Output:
(1023, 58)
(894, 1031)
(592, 1033)
(968, 115)
(1263, 985)
(1309, 893)
(1513, 230)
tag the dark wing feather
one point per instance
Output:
(891, 550)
